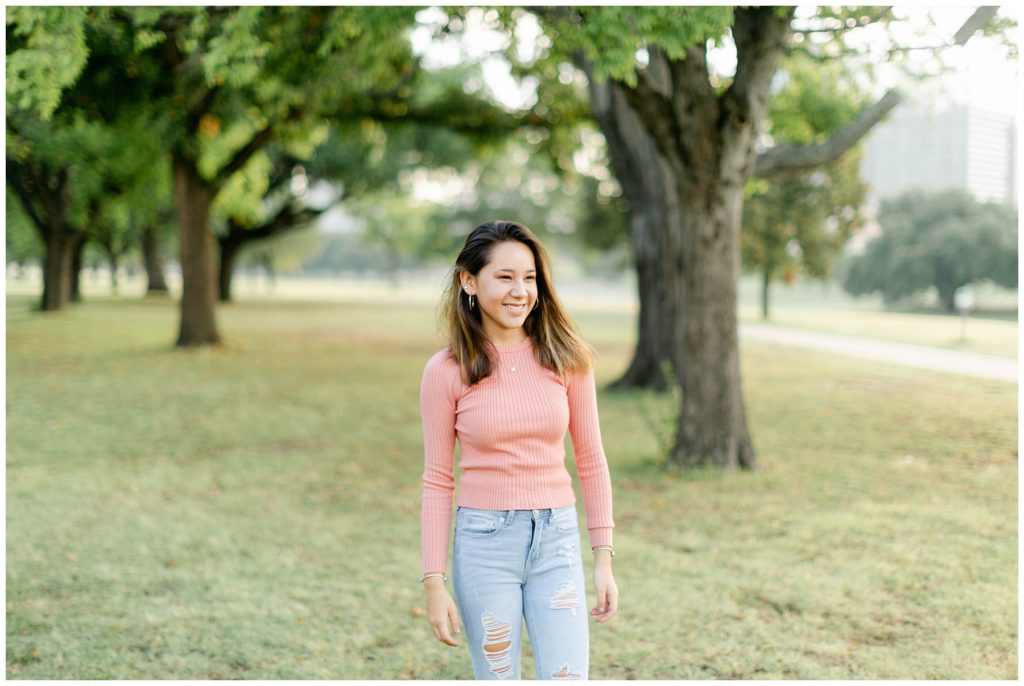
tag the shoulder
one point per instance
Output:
(441, 368)
(580, 378)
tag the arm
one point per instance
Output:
(591, 464)
(438, 397)
(437, 409)
(595, 480)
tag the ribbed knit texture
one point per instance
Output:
(511, 431)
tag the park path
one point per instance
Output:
(908, 354)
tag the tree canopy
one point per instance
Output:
(941, 240)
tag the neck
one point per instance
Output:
(506, 337)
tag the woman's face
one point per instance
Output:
(505, 290)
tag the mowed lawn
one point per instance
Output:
(251, 512)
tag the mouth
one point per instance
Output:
(515, 309)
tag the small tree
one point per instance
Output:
(946, 240)
(800, 222)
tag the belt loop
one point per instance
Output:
(509, 516)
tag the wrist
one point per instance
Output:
(434, 579)
(434, 583)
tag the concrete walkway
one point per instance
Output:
(910, 355)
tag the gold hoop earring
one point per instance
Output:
(471, 302)
(536, 304)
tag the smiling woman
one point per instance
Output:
(515, 376)
(505, 291)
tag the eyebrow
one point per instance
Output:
(507, 269)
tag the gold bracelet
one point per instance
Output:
(604, 547)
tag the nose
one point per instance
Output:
(519, 291)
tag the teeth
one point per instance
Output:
(516, 308)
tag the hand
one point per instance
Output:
(441, 610)
(607, 592)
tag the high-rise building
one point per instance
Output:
(962, 147)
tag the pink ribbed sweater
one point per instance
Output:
(511, 432)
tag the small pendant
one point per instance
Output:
(513, 368)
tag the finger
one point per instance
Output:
(441, 633)
(453, 617)
(602, 601)
(612, 606)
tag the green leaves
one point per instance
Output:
(817, 100)
(800, 223)
(46, 52)
(612, 36)
(236, 51)
(945, 240)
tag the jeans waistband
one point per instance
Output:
(510, 515)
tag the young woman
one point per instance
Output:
(515, 376)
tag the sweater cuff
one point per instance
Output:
(601, 535)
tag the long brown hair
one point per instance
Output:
(557, 343)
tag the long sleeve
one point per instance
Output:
(438, 398)
(591, 464)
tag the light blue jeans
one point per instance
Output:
(510, 564)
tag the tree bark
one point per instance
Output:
(194, 197)
(45, 195)
(76, 270)
(285, 219)
(648, 185)
(58, 275)
(947, 295)
(112, 261)
(230, 247)
(766, 280)
(708, 141)
(154, 266)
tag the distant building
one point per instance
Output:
(962, 147)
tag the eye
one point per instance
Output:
(506, 276)
(531, 278)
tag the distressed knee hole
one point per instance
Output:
(565, 675)
(566, 598)
(497, 645)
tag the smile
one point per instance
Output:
(516, 309)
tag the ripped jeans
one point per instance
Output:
(507, 564)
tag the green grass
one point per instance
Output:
(252, 512)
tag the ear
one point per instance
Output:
(468, 282)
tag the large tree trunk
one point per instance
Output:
(712, 427)
(154, 266)
(198, 268)
(654, 219)
(708, 141)
(58, 275)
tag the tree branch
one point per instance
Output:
(285, 218)
(243, 155)
(760, 37)
(785, 158)
(981, 17)
(17, 176)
